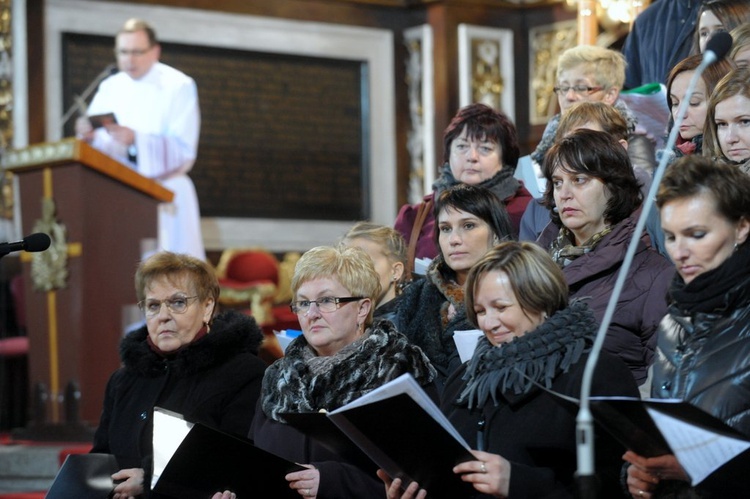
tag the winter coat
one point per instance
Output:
(215, 381)
(530, 427)
(423, 316)
(704, 358)
(643, 300)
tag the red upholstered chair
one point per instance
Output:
(253, 280)
(249, 279)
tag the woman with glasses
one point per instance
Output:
(586, 73)
(341, 355)
(480, 147)
(185, 359)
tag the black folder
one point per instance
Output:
(209, 461)
(84, 476)
(319, 427)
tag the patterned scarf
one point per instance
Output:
(538, 356)
(301, 381)
(564, 251)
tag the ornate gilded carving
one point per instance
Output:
(6, 105)
(487, 83)
(49, 269)
(546, 44)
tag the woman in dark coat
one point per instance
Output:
(184, 359)
(534, 341)
(341, 355)
(470, 221)
(703, 354)
(595, 200)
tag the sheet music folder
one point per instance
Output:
(209, 461)
(404, 433)
(654, 427)
(84, 476)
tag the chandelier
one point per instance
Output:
(612, 11)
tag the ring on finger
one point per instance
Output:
(640, 493)
(483, 467)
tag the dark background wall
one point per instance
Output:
(443, 16)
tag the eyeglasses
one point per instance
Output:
(133, 52)
(577, 89)
(325, 304)
(176, 305)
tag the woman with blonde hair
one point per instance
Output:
(387, 249)
(341, 355)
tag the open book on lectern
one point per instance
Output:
(194, 461)
(403, 432)
(654, 427)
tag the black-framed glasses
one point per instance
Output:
(175, 304)
(578, 89)
(325, 304)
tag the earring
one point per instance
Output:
(736, 245)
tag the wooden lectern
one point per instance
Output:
(97, 212)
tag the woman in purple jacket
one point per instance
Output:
(595, 201)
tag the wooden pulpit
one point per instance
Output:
(97, 213)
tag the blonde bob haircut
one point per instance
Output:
(390, 240)
(351, 267)
(178, 268)
(537, 282)
(606, 66)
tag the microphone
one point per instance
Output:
(32, 244)
(80, 100)
(716, 48)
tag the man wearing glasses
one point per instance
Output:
(155, 130)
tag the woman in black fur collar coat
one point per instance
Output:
(183, 360)
(341, 355)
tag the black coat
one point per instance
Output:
(536, 431)
(419, 318)
(215, 381)
(704, 358)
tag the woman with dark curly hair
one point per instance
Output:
(595, 201)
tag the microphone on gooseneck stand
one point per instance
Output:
(716, 48)
(79, 103)
(32, 244)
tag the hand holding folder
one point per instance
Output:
(403, 432)
(654, 427)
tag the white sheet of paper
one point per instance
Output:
(421, 265)
(408, 385)
(170, 429)
(699, 451)
(466, 342)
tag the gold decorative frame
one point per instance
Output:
(546, 43)
(485, 65)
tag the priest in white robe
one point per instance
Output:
(157, 129)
